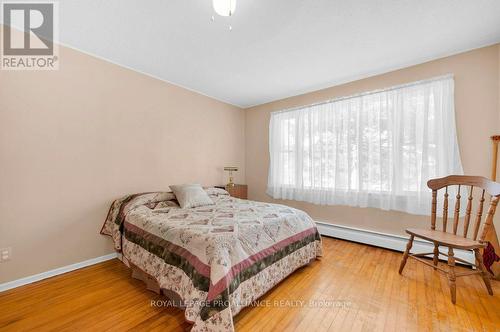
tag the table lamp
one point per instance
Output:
(230, 169)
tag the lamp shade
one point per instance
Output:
(224, 7)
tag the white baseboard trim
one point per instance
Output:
(383, 240)
(55, 272)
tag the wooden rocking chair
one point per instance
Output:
(454, 240)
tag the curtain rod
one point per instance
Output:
(362, 94)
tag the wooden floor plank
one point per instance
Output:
(358, 285)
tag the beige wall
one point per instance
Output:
(477, 111)
(73, 140)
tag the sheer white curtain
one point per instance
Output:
(376, 149)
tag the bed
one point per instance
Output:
(214, 259)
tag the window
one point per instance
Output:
(376, 149)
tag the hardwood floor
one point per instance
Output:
(360, 284)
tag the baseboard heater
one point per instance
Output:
(384, 240)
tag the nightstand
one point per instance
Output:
(238, 190)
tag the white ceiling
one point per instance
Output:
(277, 48)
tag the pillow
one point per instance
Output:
(191, 195)
(216, 191)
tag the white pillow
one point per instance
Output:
(191, 195)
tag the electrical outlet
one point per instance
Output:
(5, 254)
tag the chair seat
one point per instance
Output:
(446, 239)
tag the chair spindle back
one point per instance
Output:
(469, 182)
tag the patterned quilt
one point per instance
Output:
(217, 258)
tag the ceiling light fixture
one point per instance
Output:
(224, 7)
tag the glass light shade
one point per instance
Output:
(224, 7)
